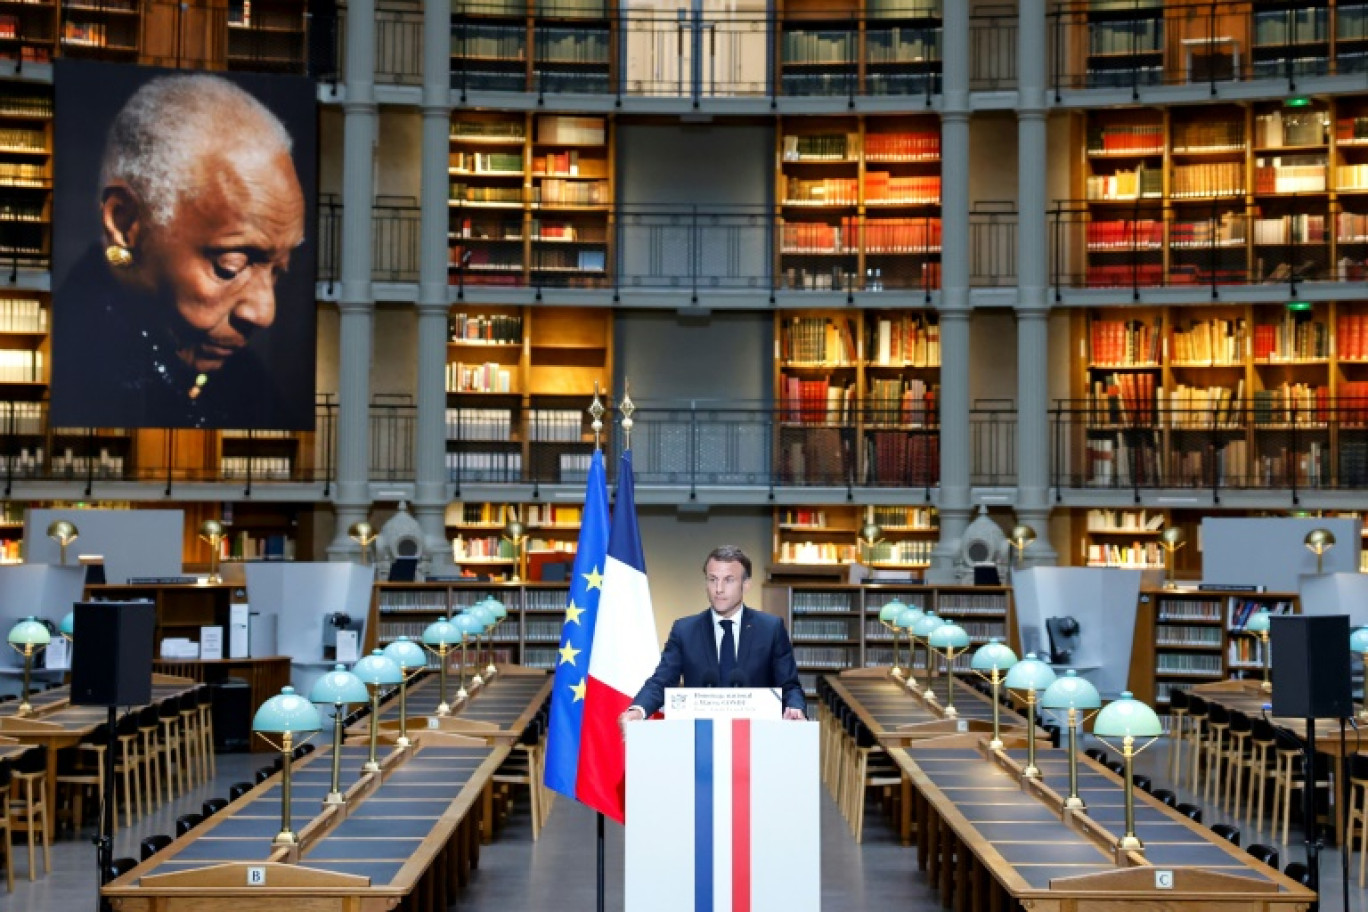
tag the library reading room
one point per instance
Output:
(789, 455)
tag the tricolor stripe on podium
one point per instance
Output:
(722, 815)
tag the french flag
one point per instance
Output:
(725, 817)
(625, 653)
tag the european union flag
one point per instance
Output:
(577, 638)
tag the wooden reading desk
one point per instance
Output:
(407, 836)
(989, 840)
(498, 711)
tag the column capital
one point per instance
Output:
(348, 305)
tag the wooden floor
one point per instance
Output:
(558, 870)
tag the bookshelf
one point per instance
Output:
(25, 173)
(266, 35)
(859, 203)
(1262, 395)
(835, 626)
(518, 383)
(530, 200)
(27, 31)
(1122, 538)
(489, 46)
(527, 637)
(479, 547)
(1184, 638)
(858, 397)
(574, 43)
(846, 48)
(1121, 44)
(828, 535)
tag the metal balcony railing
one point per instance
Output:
(1280, 439)
(590, 47)
(686, 248)
(1141, 43)
(1213, 241)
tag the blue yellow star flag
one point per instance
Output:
(577, 638)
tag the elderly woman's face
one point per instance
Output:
(218, 259)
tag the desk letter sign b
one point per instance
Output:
(256, 876)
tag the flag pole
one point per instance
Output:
(596, 411)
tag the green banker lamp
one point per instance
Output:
(376, 670)
(922, 629)
(906, 620)
(992, 662)
(438, 637)
(497, 608)
(469, 627)
(1128, 719)
(485, 615)
(888, 617)
(409, 656)
(286, 715)
(1030, 676)
(1258, 625)
(949, 640)
(1073, 697)
(338, 688)
(1358, 642)
(28, 637)
(68, 626)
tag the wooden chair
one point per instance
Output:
(1263, 739)
(204, 700)
(128, 764)
(523, 767)
(6, 835)
(172, 752)
(1291, 778)
(28, 806)
(1238, 759)
(1214, 752)
(1358, 808)
(1196, 733)
(80, 769)
(149, 749)
(1178, 713)
(192, 745)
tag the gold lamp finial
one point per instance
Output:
(63, 532)
(363, 533)
(1318, 541)
(1022, 536)
(1171, 539)
(212, 532)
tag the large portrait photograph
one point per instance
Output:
(183, 249)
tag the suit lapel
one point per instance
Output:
(707, 643)
(748, 635)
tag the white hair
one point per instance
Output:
(162, 130)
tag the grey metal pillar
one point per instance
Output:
(429, 504)
(1032, 305)
(356, 301)
(955, 507)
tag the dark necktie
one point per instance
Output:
(726, 659)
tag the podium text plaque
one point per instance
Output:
(723, 815)
(723, 703)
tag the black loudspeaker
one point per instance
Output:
(111, 658)
(1311, 667)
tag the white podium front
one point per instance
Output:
(723, 815)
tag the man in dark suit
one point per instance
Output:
(729, 645)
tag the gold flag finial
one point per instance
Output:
(596, 412)
(627, 407)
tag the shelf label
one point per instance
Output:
(1163, 880)
(256, 876)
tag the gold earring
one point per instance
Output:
(118, 256)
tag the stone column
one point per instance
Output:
(429, 504)
(1032, 305)
(356, 301)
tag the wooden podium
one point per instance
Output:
(723, 815)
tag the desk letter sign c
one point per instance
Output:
(256, 876)
(1163, 880)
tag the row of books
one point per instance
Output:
(500, 129)
(892, 236)
(1139, 183)
(1351, 337)
(820, 147)
(1248, 651)
(1205, 407)
(489, 42)
(464, 193)
(414, 600)
(23, 315)
(1135, 36)
(568, 164)
(268, 468)
(897, 458)
(907, 551)
(815, 401)
(955, 603)
(910, 339)
(1125, 234)
(1240, 610)
(1291, 339)
(1208, 136)
(1290, 174)
(489, 377)
(572, 45)
(472, 162)
(473, 513)
(1216, 342)
(21, 366)
(1185, 663)
(487, 547)
(1125, 139)
(505, 328)
(1207, 179)
(1189, 609)
(1279, 128)
(1136, 554)
(479, 424)
(1119, 460)
(818, 340)
(911, 518)
(1124, 342)
(901, 44)
(808, 46)
(1290, 229)
(25, 105)
(1224, 230)
(1124, 521)
(1186, 635)
(1295, 26)
(822, 602)
(246, 546)
(820, 629)
(899, 402)
(577, 193)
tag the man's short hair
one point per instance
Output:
(166, 125)
(728, 554)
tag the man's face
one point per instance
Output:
(727, 585)
(217, 261)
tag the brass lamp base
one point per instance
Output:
(1075, 802)
(951, 712)
(443, 709)
(402, 742)
(995, 744)
(285, 838)
(1130, 843)
(912, 684)
(335, 798)
(477, 681)
(490, 670)
(1031, 772)
(461, 695)
(370, 766)
(896, 672)
(1266, 686)
(24, 709)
